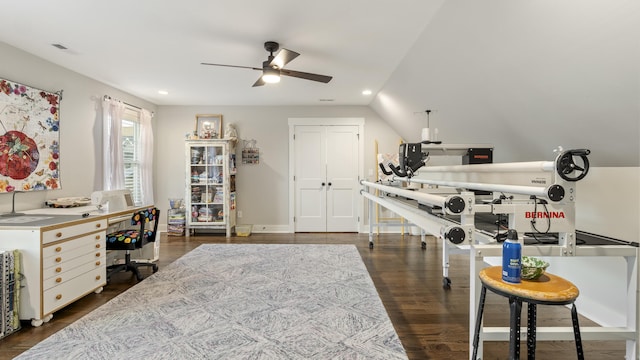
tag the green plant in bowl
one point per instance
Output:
(532, 268)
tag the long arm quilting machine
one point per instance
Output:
(535, 198)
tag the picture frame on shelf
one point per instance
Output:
(208, 126)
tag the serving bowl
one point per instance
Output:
(532, 268)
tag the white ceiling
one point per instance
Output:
(143, 46)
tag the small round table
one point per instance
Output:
(549, 289)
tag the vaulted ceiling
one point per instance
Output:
(526, 76)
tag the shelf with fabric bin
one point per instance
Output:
(176, 219)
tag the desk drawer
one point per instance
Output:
(64, 260)
(72, 231)
(73, 248)
(72, 273)
(93, 260)
(67, 292)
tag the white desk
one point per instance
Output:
(113, 216)
(62, 253)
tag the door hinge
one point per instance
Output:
(294, 219)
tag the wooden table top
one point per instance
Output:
(548, 289)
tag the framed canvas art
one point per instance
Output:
(29, 138)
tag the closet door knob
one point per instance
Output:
(322, 184)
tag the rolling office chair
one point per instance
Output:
(146, 222)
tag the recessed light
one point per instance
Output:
(163, 92)
(366, 92)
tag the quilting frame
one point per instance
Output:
(30, 138)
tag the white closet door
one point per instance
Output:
(310, 175)
(342, 178)
(326, 178)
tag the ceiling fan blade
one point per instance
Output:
(283, 58)
(259, 82)
(234, 66)
(308, 76)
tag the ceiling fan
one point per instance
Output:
(272, 69)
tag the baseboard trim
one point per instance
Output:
(270, 229)
(283, 229)
(162, 228)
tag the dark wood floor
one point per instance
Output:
(431, 322)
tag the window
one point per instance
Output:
(131, 152)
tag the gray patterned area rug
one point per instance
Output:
(239, 301)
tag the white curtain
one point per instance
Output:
(146, 157)
(112, 158)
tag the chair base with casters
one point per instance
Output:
(548, 290)
(146, 222)
(130, 265)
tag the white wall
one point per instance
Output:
(607, 203)
(526, 76)
(80, 124)
(262, 190)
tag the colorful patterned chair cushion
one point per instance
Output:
(126, 239)
(130, 239)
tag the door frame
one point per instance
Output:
(323, 121)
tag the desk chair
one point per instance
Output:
(146, 228)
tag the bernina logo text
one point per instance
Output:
(538, 181)
(544, 215)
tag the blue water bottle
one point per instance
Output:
(511, 258)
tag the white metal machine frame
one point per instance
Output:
(526, 193)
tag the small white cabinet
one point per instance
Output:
(61, 263)
(210, 196)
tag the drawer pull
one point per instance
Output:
(58, 269)
(97, 263)
(98, 277)
(97, 246)
(97, 237)
(58, 259)
(97, 254)
(58, 249)
(58, 280)
(59, 296)
(98, 225)
(58, 234)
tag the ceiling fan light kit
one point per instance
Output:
(271, 75)
(272, 69)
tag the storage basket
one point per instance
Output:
(243, 230)
(175, 203)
